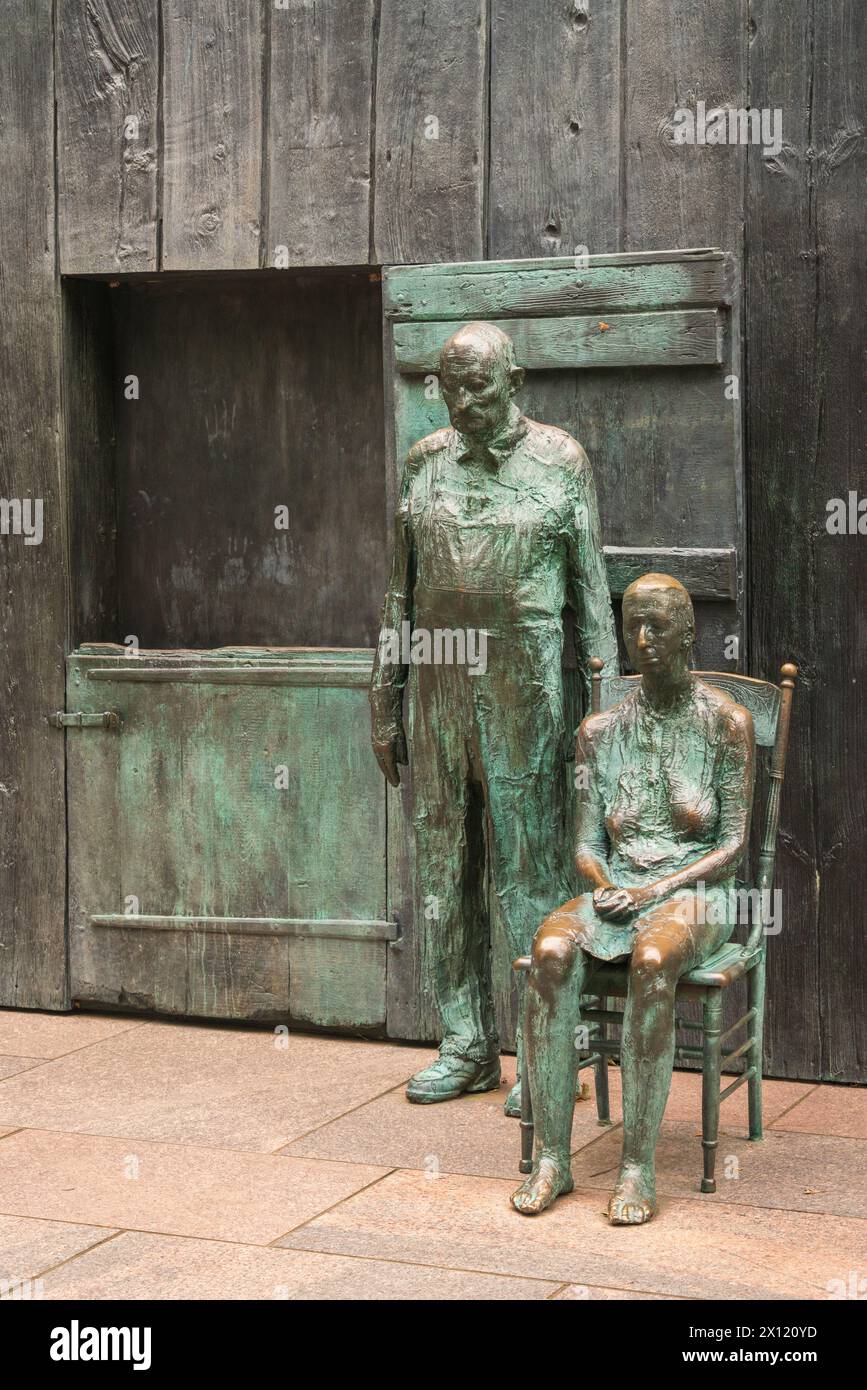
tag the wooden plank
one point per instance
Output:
(837, 707)
(661, 448)
(212, 118)
(805, 292)
(788, 619)
(108, 136)
(337, 984)
(323, 657)
(706, 573)
(237, 977)
(677, 53)
(555, 126)
(34, 578)
(87, 362)
(527, 263)
(430, 131)
(417, 293)
(319, 132)
(670, 338)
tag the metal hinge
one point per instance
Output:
(75, 719)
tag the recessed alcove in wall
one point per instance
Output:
(196, 407)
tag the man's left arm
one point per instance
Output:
(588, 581)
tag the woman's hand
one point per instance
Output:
(619, 904)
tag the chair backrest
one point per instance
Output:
(771, 707)
(763, 699)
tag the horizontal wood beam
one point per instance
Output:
(670, 338)
(332, 930)
(352, 674)
(553, 289)
(692, 253)
(708, 574)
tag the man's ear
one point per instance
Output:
(516, 380)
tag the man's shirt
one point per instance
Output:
(499, 537)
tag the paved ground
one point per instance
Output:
(172, 1160)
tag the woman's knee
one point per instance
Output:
(554, 950)
(655, 966)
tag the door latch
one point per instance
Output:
(75, 719)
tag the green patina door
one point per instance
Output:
(227, 836)
(233, 849)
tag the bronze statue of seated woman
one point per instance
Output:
(663, 818)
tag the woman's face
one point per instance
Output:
(653, 631)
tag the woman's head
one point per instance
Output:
(658, 624)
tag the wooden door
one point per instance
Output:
(227, 836)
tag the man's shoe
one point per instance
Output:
(450, 1077)
(512, 1107)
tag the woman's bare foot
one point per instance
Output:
(633, 1200)
(539, 1190)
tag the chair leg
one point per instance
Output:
(710, 1083)
(756, 1000)
(527, 1127)
(603, 1104)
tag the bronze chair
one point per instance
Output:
(770, 705)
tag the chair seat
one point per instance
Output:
(725, 966)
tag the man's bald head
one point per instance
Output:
(478, 378)
(485, 341)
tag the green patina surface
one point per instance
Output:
(240, 787)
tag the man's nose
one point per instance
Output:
(642, 636)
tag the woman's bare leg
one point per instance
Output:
(554, 990)
(664, 950)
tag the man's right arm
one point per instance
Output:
(389, 673)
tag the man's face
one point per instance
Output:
(475, 389)
(652, 630)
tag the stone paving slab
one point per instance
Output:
(9, 1066)
(829, 1110)
(170, 1188)
(137, 1266)
(684, 1099)
(693, 1249)
(468, 1135)
(805, 1172)
(30, 1247)
(195, 1084)
(589, 1294)
(25, 1034)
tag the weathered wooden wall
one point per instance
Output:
(33, 578)
(418, 130)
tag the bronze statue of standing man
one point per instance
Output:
(496, 532)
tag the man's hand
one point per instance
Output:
(390, 756)
(619, 904)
